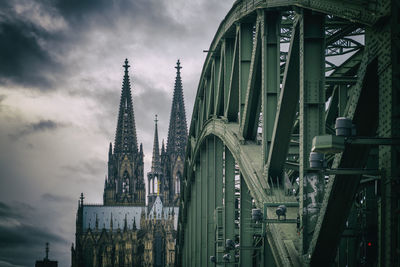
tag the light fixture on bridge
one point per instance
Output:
(213, 259)
(317, 160)
(256, 215)
(281, 211)
(344, 127)
(226, 257)
(229, 245)
(345, 135)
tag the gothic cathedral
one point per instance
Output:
(124, 231)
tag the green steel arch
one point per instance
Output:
(276, 77)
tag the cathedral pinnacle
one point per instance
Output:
(125, 223)
(155, 164)
(81, 199)
(125, 136)
(178, 67)
(126, 66)
(177, 131)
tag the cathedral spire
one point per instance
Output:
(125, 136)
(111, 222)
(177, 131)
(162, 148)
(155, 164)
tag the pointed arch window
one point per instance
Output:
(125, 182)
(178, 183)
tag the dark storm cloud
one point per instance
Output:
(41, 126)
(7, 212)
(17, 235)
(104, 12)
(89, 167)
(55, 198)
(148, 104)
(23, 60)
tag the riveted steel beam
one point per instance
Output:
(198, 217)
(210, 91)
(246, 230)
(204, 201)
(210, 198)
(245, 48)
(286, 109)
(270, 76)
(219, 84)
(219, 193)
(194, 231)
(229, 201)
(232, 90)
(251, 110)
(225, 110)
(312, 117)
(336, 205)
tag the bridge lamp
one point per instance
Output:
(344, 127)
(213, 259)
(281, 211)
(229, 244)
(317, 160)
(256, 215)
(226, 257)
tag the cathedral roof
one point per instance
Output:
(118, 215)
(157, 209)
(104, 214)
(125, 136)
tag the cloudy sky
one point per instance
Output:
(60, 81)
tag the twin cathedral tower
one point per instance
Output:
(124, 231)
(125, 182)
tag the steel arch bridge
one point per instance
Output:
(277, 76)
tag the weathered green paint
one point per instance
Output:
(204, 200)
(198, 217)
(219, 147)
(246, 231)
(229, 198)
(218, 85)
(232, 105)
(245, 47)
(270, 76)
(342, 99)
(193, 231)
(210, 92)
(251, 110)
(286, 110)
(210, 198)
(226, 110)
(312, 116)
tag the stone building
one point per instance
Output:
(46, 262)
(123, 231)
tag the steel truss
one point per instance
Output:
(276, 77)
